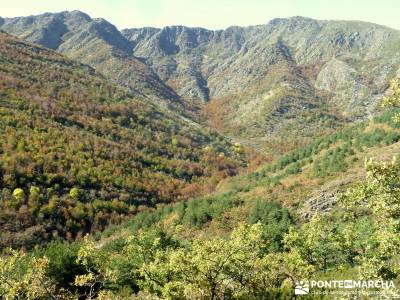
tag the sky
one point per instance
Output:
(211, 14)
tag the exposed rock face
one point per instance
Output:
(320, 203)
(316, 71)
(340, 79)
(325, 198)
(335, 75)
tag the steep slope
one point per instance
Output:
(332, 69)
(95, 42)
(78, 152)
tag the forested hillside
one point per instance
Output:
(78, 153)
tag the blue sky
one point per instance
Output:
(212, 14)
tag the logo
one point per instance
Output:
(302, 288)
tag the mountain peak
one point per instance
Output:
(292, 20)
(76, 14)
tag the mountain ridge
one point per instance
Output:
(104, 47)
(271, 21)
(254, 83)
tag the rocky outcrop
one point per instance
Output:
(327, 196)
(336, 75)
(322, 202)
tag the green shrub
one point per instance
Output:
(200, 211)
(62, 262)
(391, 138)
(276, 219)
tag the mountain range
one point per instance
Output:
(255, 84)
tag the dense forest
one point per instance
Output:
(78, 153)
